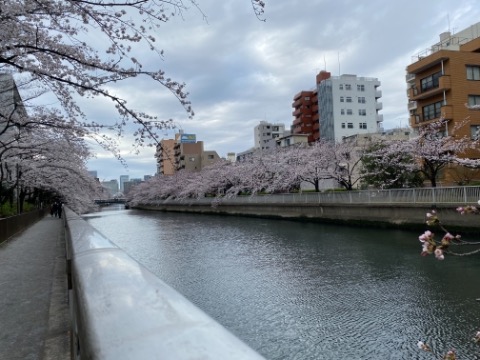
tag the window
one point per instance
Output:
(432, 111)
(349, 112)
(307, 98)
(349, 99)
(342, 112)
(475, 132)
(361, 100)
(360, 87)
(362, 112)
(473, 72)
(342, 99)
(210, 157)
(343, 125)
(473, 100)
(350, 125)
(430, 82)
(192, 159)
(340, 86)
(348, 87)
(363, 125)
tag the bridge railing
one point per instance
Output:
(120, 310)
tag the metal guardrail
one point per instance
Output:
(120, 310)
(460, 195)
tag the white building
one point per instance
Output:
(348, 105)
(266, 134)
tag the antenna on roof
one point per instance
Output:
(338, 56)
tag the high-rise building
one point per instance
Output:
(265, 135)
(348, 105)
(123, 180)
(111, 186)
(445, 77)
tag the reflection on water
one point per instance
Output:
(295, 290)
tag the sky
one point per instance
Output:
(239, 70)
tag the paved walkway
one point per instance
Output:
(34, 315)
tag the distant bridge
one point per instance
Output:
(110, 201)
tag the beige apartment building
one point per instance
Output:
(183, 152)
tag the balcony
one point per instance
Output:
(444, 84)
(378, 94)
(379, 118)
(412, 105)
(446, 113)
(378, 106)
(410, 78)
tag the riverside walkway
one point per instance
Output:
(34, 315)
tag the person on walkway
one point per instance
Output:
(53, 209)
(59, 210)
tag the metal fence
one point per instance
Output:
(460, 195)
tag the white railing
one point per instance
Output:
(460, 195)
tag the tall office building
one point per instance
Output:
(349, 105)
(123, 180)
(445, 77)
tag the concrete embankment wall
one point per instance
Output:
(411, 217)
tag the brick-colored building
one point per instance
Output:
(442, 79)
(440, 82)
(305, 111)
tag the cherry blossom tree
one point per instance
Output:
(434, 150)
(387, 165)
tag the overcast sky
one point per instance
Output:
(239, 70)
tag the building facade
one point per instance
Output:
(305, 110)
(265, 135)
(443, 79)
(165, 155)
(349, 105)
(123, 180)
(183, 152)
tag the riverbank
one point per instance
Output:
(399, 216)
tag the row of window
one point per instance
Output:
(361, 112)
(431, 81)
(349, 87)
(350, 125)
(434, 111)
(361, 99)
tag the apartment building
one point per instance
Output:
(305, 111)
(266, 133)
(165, 155)
(441, 80)
(183, 152)
(349, 105)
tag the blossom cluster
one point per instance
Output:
(429, 244)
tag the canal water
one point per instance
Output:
(296, 290)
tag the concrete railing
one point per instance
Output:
(120, 310)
